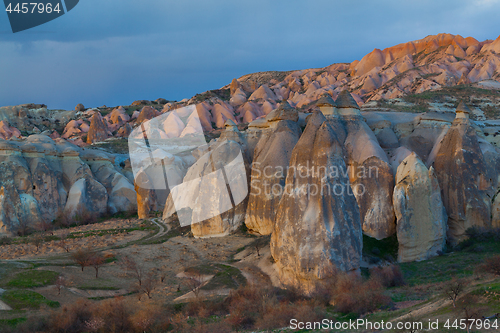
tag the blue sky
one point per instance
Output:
(113, 52)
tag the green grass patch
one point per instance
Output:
(12, 322)
(386, 249)
(224, 276)
(457, 264)
(26, 299)
(33, 279)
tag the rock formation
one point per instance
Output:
(369, 171)
(213, 195)
(421, 216)
(146, 196)
(462, 174)
(98, 129)
(318, 227)
(42, 179)
(269, 169)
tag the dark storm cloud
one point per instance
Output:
(115, 51)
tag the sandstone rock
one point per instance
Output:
(80, 107)
(222, 112)
(46, 185)
(30, 211)
(6, 131)
(124, 131)
(54, 135)
(147, 113)
(86, 196)
(235, 85)
(224, 212)
(283, 112)
(121, 192)
(263, 93)
(204, 116)
(9, 222)
(461, 171)
(269, 170)
(371, 178)
(238, 98)
(141, 102)
(98, 129)
(374, 59)
(387, 138)
(84, 127)
(492, 47)
(146, 196)
(119, 116)
(316, 233)
(421, 216)
(123, 197)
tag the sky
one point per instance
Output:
(112, 52)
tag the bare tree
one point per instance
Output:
(37, 240)
(468, 309)
(133, 268)
(43, 226)
(82, 257)
(149, 284)
(60, 283)
(194, 282)
(453, 289)
(96, 261)
(63, 244)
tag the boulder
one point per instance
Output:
(318, 229)
(269, 168)
(79, 107)
(421, 216)
(98, 129)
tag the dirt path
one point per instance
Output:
(162, 230)
(4, 307)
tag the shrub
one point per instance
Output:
(491, 265)
(353, 295)
(389, 276)
(4, 240)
